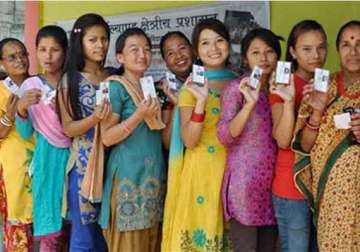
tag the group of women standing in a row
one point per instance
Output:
(230, 155)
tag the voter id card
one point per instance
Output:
(283, 72)
(255, 77)
(171, 79)
(148, 87)
(198, 74)
(103, 93)
(321, 80)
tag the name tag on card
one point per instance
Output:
(283, 71)
(12, 87)
(255, 77)
(171, 79)
(198, 74)
(103, 93)
(148, 87)
(342, 121)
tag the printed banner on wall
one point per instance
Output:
(239, 17)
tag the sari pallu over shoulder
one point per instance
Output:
(342, 140)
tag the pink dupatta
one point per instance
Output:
(44, 117)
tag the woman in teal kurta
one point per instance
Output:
(137, 164)
(37, 116)
(133, 197)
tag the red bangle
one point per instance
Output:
(195, 117)
(169, 106)
(311, 127)
(126, 128)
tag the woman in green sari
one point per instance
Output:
(327, 168)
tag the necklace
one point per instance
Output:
(135, 85)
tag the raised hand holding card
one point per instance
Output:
(11, 86)
(102, 93)
(198, 74)
(171, 79)
(283, 72)
(255, 77)
(148, 87)
(321, 80)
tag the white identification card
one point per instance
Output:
(255, 77)
(171, 79)
(321, 80)
(12, 87)
(103, 93)
(148, 87)
(198, 74)
(283, 71)
(49, 96)
(342, 121)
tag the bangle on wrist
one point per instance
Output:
(195, 117)
(126, 127)
(311, 126)
(4, 120)
(21, 116)
(169, 106)
(8, 119)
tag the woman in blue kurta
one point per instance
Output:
(89, 41)
(134, 189)
(38, 116)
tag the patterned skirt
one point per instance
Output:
(18, 237)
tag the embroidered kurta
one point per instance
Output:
(81, 148)
(137, 164)
(193, 218)
(246, 191)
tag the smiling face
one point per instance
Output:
(213, 49)
(15, 59)
(178, 56)
(95, 43)
(349, 49)
(136, 55)
(261, 55)
(309, 51)
(50, 55)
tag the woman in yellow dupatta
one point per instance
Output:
(193, 217)
(327, 168)
(15, 153)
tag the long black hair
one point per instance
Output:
(75, 61)
(210, 24)
(296, 31)
(121, 40)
